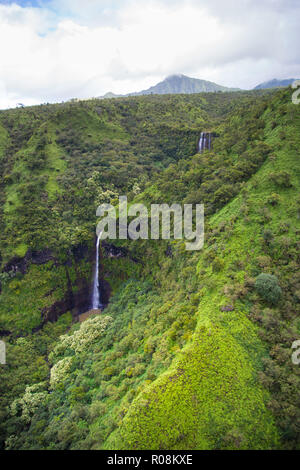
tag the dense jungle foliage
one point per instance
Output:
(194, 348)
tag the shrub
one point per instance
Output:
(217, 264)
(263, 261)
(273, 199)
(281, 178)
(268, 288)
(268, 236)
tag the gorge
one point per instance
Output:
(192, 350)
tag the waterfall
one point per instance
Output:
(200, 146)
(204, 141)
(96, 301)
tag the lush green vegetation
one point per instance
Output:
(194, 348)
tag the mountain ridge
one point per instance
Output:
(177, 83)
(182, 84)
(275, 83)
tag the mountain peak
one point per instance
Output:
(179, 83)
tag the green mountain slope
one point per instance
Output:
(195, 404)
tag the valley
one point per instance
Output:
(185, 350)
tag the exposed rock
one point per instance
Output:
(169, 252)
(4, 333)
(20, 265)
(81, 299)
(105, 291)
(53, 312)
(86, 315)
(111, 251)
(41, 257)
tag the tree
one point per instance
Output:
(268, 288)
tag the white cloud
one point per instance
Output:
(66, 50)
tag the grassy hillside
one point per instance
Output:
(194, 348)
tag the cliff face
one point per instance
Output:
(73, 294)
(20, 264)
(57, 287)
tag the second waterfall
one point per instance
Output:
(204, 142)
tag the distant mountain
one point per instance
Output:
(177, 84)
(110, 94)
(275, 83)
(183, 84)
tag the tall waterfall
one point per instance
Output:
(204, 141)
(96, 301)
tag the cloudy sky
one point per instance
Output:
(53, 50)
